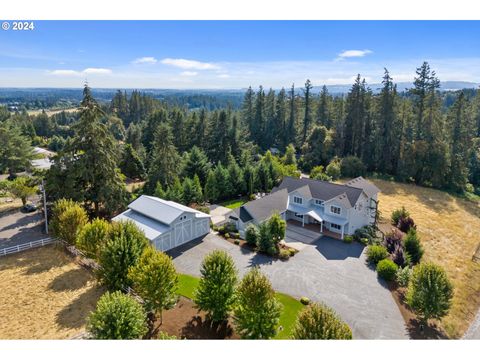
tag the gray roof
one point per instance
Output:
(263, 208)
(161, 210)
(150, 227)
(369, 188)
(322, 190)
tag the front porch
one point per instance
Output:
(316, 228)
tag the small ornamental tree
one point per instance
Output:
(216, 289)
(400, 256)
(387, 269)
(319, 322)
(22, 188)
(117, 317)
(333, 169)
(376, 253)
(252, 235)
(352, 166)
(430, 292)
(265, 240)
(155, 279)
(413, 246)
(92, 237)
(405, 224)
(68, 219)
(122, 250)
(257, 312)
(277, 228)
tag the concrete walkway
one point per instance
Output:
(473, 332)
(327, 270)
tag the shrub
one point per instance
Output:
(387, 269)
(430, 291)
(155, 279)
(252, 197)
(352, 166)
(257, 312)
(397, 214)
(117, 317)
(236, 242)
(393, 240)
(164, 336)
(230, 227)
(376, 253)
(68, 219)
(252, 235)
(318, 321)
(400, 257)
(221, 230)
(227, 235)
(215, 292)
(405, 224)
(122, 250)
(284, 254)
(215, 228)
(348, 239)
(364, 241)
(413, 246)
(92, 237)
(305, 300)
(276, 227)
(403, 276)
(365, 232)
(292, 252)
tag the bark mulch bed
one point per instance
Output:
(431, 331)
(186, 322)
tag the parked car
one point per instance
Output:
(29, 208)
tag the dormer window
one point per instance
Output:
(335, 209)
(319, 202)
(297, 200)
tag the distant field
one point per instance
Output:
(51, 112)
(449, 228)
(44, 295)
(235, 203)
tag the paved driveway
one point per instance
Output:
(18, 228)
(327, 270)
(474, 331)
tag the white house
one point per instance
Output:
(166, 224)
(338, 208)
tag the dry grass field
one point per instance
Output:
(51, 112)
(44, 295)
(450, 231)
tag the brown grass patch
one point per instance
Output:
(44, 294)
(449, 228)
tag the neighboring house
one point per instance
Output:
(341, 209)
(166, 224)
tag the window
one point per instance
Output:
(319, 202)
(335, 226)
(299, 215)
(297, 200)
(335, 209)
(183, 217)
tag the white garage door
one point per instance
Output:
(182, 233)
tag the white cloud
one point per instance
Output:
(87, 71)
(65, 73)
(145, 60)
(353, 53)
(223, 76)
(189, 64)
(189, 73)
(100, 71)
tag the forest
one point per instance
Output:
(191, 154)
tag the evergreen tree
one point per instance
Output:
(270, 122)
(196, 163)
(259, 121)
(290, 131)
(317, 148)
(165, 161)
(178, 125)
(290, 155)
(248, 110)
(235, 174)
(280, 126)
(307, 117)
(175, 191)
(131, 165)
(211, 190)
(15, 150)
(323, 109)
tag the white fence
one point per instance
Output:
(23, 247)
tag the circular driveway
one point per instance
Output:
(326, 270)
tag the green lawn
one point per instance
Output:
(234, 203)
(291, 306)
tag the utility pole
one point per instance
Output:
(45, 206)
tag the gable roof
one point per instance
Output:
(161, 210)
(262, 209)
(369, 188)
(322, 190)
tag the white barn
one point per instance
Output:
(166, 224)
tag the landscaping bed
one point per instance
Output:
(447, 241)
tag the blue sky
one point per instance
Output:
(233, 54)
